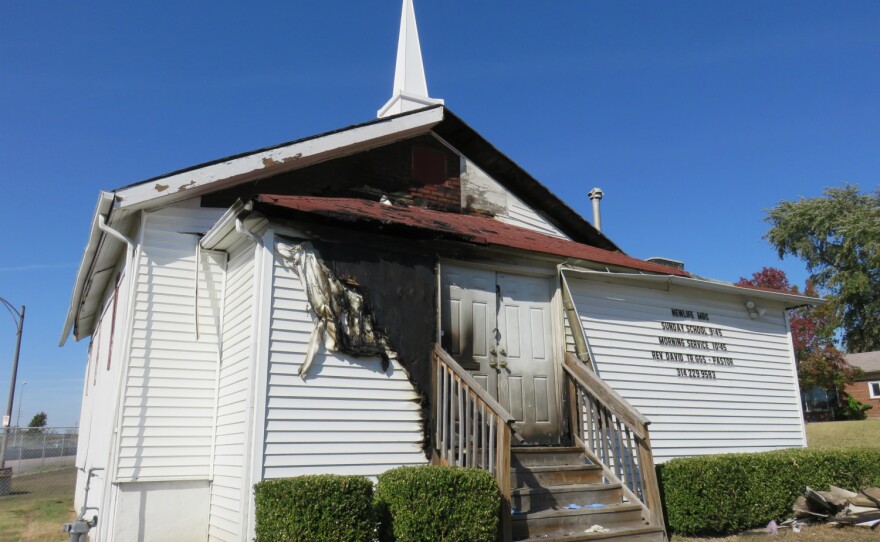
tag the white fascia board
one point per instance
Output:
(789, 300)
(213, 177)
(105, 203)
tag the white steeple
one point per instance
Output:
(410, 87)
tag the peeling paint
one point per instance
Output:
(183, 187)
(269, 161)
(160, 187)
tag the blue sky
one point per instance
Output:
(694, 117)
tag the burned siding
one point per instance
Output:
(400, 291)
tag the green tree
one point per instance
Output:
(39, 420)
(838, 236)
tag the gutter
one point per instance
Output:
(96, 236)
(231, 221)
(791, 300)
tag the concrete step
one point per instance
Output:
(532, 499)
(628, 534)
(547, 455)
(554, 475)
(561, 522)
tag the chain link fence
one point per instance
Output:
(41, 458)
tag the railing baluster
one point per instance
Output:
(484, 433)
(631, 473)
(447, 387)
(591, 420)
(461, 430)
(472, 428)
(619, 452)
(492, 444)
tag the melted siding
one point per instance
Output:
(167, 421)
(348, 417)
(229, 494)
(752, 405)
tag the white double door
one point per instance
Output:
(499, 327)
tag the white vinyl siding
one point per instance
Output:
(480, 192)
(168, 413)
(520, 214)
(347, 417)
(101, 391)
(229, 494)
(751, 405)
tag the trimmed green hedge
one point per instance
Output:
(427, 504)
(726, 494)
(323, 508)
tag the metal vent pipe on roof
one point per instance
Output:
(596, 196)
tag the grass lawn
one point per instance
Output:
(861, 434)
(37, 514)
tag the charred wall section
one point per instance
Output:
(400, 290)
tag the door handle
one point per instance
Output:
(493, 351)
(502, 363)
(503, 352)
(494, 363)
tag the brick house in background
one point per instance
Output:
(866, 388)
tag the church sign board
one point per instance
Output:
(711, 378)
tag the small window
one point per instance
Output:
(874, 388)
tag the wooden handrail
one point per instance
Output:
(469, 381)
(471, 428)
(614, 435)
(617, 404)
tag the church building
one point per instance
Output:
(400, 292)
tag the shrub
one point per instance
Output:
(726, 494)
(852, 409)
(322, 508)
(427, 504)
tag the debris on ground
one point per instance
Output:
(597, 529)
(838, 506)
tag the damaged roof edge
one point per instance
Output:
(791, 300)
(525, 186)
(102, 209)
(233, 170)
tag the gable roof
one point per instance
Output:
(471, 228)
(117, 208)
(241, 168)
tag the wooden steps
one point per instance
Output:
(547, 479)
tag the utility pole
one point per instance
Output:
(5, 476)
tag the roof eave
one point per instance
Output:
(789, 300)
(102, 208)
(212, 176)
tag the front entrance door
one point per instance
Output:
(498, 327)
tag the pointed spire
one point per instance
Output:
(410, 87)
